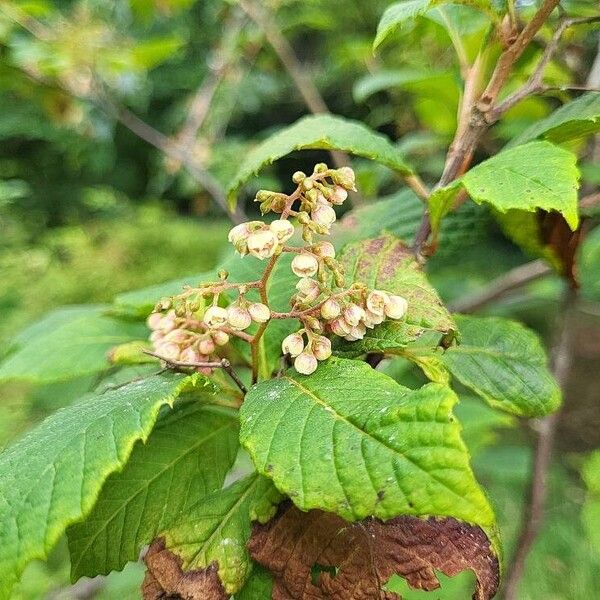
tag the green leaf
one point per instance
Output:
(51, 478)
(259, 585)
(396, 15)
(325, 132)
(349, 439)
(590, 513)
(503, 362)
(385, 263)
(589, 266)
(67, 343)
(527, 177)
(140, 303)
(572, 121)
(218, 527)
(150, 53)
(382, 80)
(186, 457)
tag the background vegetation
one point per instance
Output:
(90, 208)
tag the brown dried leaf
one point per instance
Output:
(367, 553)
(166, 580)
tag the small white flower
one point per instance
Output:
(189, 355)
(154, 321)
(376, 302)
(356, 333)
(262, 244)
(323, 214)
(238, 317)
(282, 229)
(305, 363)
(353, 314)
(293, 344)
(371, 319)
(168, 350)
(396, 308)
(238, 233)
(345, 177)
(176, 335)
(305, 265)
(321, 347)
(340, 327)
(330, 309)
(337, 195)
(308, 289)
(259, 312)
(215, 317)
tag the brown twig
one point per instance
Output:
(223, 363)
(546, 428)
(513, 279)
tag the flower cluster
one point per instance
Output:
(188, 329)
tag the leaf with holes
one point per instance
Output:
(527, 177)
(504, 363)
(67, 343)
(52, 477)
(385, 263)
(326, 132)
(302, 549)
(349, 439)
(213, 532)
(186, 457)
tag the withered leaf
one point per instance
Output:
(355, 560)
(166, 580)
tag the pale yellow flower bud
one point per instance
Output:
(324, 249)
(154, 321)
(189, 355)
(262, 244)
(321, 347)
(238, 317)
(177, 335)
(337, 195)
(304, 265)
(305, 363)
(282, 229)
(293, 344)
(344, 177)
(331, 309)
(259, 312)
(220, 338)
(207, 346)
(376, 302)
(308, 289)
(215, 317)
(396, 307)
(168, 350)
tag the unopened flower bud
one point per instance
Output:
(313, 324)
(305, 363)
(321, 347)
(309, 289)
(323, 214)
(353, 314)
(376, 302)
(238, 317)
(320, 168)
(177, 335)
(282, 229)
(331, 309)
(259, 312)
(298, 176)
(371, 319)
(220, 338)
(307, 184)
(189, 355)
(207, 346)
(304, 265)
(215, 317)
(262, 244)
(154, 320)
(223, 274)
(337, 195)
(168, 350)
(344, 177)
(293, 344)
(303, 218)
(156, 336)
(396, 307)
(356, 333)
(324, 249)
(238, 233)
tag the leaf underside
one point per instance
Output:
(366, 554)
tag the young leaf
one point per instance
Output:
(590, 513)
(186, 457)
(259, 585)
(213, 533)
(571, 121)
(527, 177)
(505, 364)
(326, 132)
(349, 439)
(364, 555)
(67, 343)
(51, 478)
(385, 263)
(396, 15)
(589, 265)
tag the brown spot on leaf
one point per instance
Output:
(356, 559)
(165, 579)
